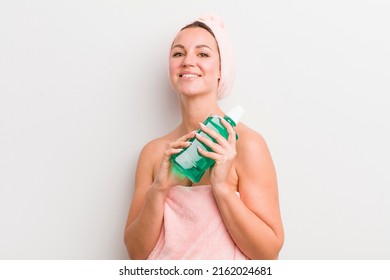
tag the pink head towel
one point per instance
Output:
(226, 52)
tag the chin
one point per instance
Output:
(190, 92)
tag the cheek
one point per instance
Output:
(213, 69)
(174, 64)
(172, 67)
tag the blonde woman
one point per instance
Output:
(233, 211)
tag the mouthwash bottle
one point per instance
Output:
(190, 162)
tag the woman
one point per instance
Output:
(233, 212)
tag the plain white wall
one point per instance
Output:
(83, 86)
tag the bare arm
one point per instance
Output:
(253, 220)
(146, 212)
(145, 217)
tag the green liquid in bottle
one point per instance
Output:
(190, 162)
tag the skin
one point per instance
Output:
(253, 219)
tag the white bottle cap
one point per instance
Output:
(236, 113)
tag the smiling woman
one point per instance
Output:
(232, 212)
(194, 62)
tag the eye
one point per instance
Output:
(203, 54)
(177, 54)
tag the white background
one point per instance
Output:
(84, 85)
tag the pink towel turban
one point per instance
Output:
(226, 52)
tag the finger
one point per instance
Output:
(175, 151)
(179, 144)
(183, 141)
(170, 152)
(209, 143)
(187, 136)
(230, 129)
(212, 133)
(208, 154)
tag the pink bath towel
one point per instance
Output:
(193, 228)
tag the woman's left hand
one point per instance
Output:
(223, 152)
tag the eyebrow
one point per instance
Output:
(197, 47)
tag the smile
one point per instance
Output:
(188, 75)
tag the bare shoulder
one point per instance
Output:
(250, 141)
(254, 161)
(152, 148)
(153, 151)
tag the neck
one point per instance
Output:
(195, 110)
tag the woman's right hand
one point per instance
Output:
(165, 178)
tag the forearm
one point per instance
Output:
(142, 234)
(253, 236)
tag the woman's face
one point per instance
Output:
(194, 66)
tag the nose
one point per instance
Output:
(188, 60)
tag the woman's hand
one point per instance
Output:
(223, 152)
(165, 179)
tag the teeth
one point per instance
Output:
(189, 75)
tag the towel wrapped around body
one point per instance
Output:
(193, 228)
